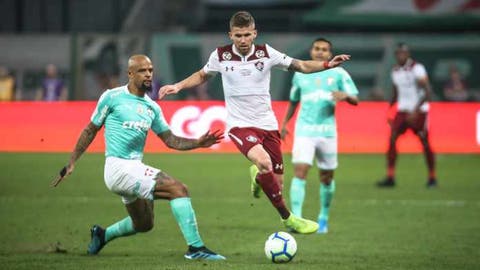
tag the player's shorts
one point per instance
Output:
(247, 137)
(130, 179)
(323, 149)
(400, 124)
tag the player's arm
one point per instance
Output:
(342, 96)
(86, 138)
(311, 66)
(292, 107)
(394, 98)
(424, 83)
(180, 143)
(193, 80)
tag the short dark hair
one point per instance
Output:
(403, 46)
(241, 19)
(323, 40)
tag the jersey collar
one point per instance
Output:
(235, 51)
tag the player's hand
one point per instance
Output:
(64, 172)
(283, 133)
(208, 139)
(339, 96)
(168, 90)
(338, 59)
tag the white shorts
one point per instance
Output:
(130, 179)
(324, 149)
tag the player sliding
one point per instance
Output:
(315, 128)
(245, 68)
(128, 113)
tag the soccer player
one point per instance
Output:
(127, 114)
(315, 128)
(411, 89)
(245, 68)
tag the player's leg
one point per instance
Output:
(398, 127)
(271, 144)
(176, 193)
(297, 188)
(420, 128)
(302, 157)
(267, 180)
(327, 162)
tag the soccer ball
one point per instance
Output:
(280, 247)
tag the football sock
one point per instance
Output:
(297, 195)
(185, 216)
(391, 158)
(429, 156)
(122, 228)
(326, 195)
(272, 189)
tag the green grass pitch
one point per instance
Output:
(408, 227)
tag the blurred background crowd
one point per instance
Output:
(75, 49)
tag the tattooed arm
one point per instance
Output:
(180, 143)
(85, 139)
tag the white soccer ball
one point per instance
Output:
(280, 247)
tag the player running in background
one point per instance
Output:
(411, 89)
(128, 113)
(245, 68)
(315, 127)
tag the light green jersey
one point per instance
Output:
(316, 117)
(127, 119)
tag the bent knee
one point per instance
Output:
(264, 165)
(144, 226)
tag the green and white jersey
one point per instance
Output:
(127, 119)
(316, 117)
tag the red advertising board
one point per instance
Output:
(55, 127)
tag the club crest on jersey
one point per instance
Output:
(259, 65)
(260, 54)
(226, 56)
(251, 139)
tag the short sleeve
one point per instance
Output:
(419, 71)
(279, 60)
(103, 108)
(159, 124)
(346, 83)
(213, 65)
(295, 89)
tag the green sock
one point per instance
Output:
(297, 195)
(185, 216)
(122, 228)
(326, 195)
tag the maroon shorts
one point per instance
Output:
(400, 123)
(247, 137)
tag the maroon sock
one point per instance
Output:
(430, 157)
(271, 187)
(391, 158)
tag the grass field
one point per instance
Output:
(408, 227)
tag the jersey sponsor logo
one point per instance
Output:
(142, 125)
(260, 53)
(226, 56)
(245, 72)
(259, 65)
(229, 68)
(251, 139)
(317, 95)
